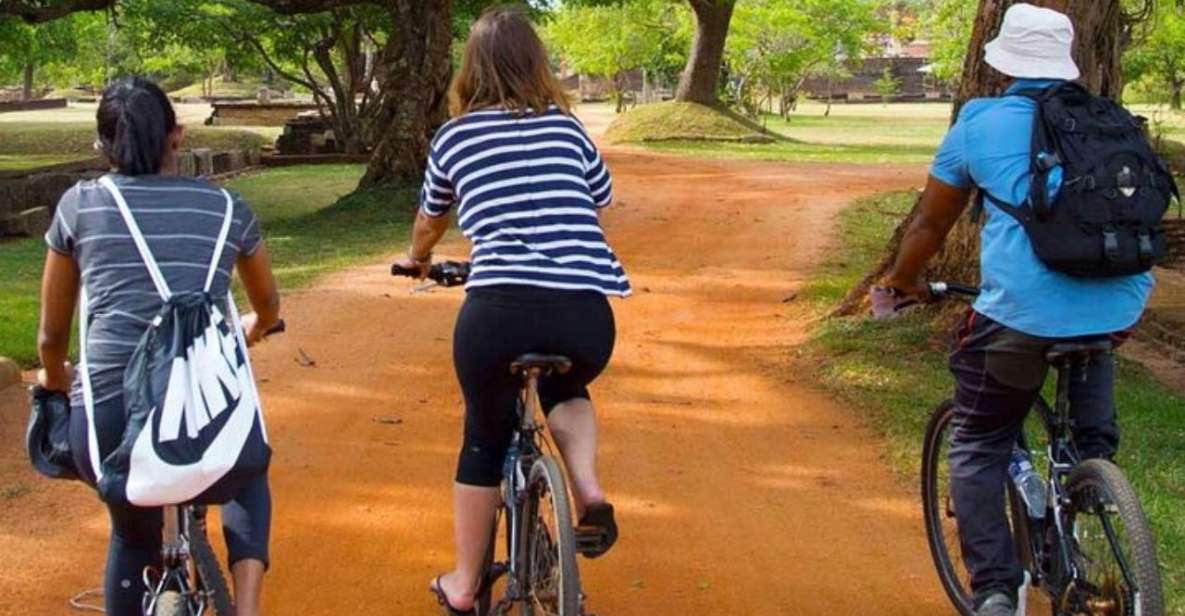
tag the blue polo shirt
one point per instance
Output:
(989, 147)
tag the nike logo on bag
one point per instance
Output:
(213, 360)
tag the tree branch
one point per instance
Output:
(37, 11)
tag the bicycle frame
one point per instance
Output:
(175, 556)
(1054, 568)
(526, 447)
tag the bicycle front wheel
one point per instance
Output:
(552, 579)
(1112, 544)
(938, 508)
(210, 579)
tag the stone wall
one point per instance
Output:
(28, 197)
(256, 114)
(36, 105)
(1174, 230)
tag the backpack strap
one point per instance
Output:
(158, 278)
(220, 245)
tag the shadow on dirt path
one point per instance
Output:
(740, 490)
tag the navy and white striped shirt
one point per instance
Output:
(528, 187)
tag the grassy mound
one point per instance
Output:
(222, 89)
(675, 121)
(49, 138)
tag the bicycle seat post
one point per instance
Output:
(530, 397)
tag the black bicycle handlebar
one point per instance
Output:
(947, 289)
(445, 274)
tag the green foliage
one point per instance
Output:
(949, 25)
(54, 49)
(1159, 57)
(608, 40)
(888, 85)
(775, 44)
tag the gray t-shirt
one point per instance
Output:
(180, 219)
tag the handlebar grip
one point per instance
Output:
(409, 272)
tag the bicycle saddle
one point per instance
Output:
(546, 363)
(1067, 350)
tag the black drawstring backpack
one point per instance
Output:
(195, 430)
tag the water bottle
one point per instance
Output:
(1028, 482)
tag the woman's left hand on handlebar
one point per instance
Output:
(409, 263)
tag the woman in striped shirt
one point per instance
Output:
(528, 184)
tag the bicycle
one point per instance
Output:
(190, 581)
(540, 566)
(1090, 550)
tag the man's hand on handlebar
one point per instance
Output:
(892, 296)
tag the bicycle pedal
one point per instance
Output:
(590, 539)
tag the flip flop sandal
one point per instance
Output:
(597, 531)
(436, 589)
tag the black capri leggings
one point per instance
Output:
(136, 531)
(495, 326)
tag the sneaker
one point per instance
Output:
(998, 604)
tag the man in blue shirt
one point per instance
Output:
(999, 360)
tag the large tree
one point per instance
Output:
(411, 72)
(1101, 28)
(701, 78)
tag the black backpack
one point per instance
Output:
(1105, 220)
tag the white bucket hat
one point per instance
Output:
(1034, 43)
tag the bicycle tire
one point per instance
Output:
(547, 481)
(170, 603)
(209, 573)
(938, 514)
(1094, 478)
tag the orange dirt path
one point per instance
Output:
(739, 489)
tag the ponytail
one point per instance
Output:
(135, 119)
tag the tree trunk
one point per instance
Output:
(1178, 86)
(27, 86)
(413, 71)
(701, 76)
(1098, 29)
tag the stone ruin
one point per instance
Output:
(28, 197)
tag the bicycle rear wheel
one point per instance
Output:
(942, 531)
(1113, 546)
(552, 578)
(210, 579)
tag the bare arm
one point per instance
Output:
(59, 295)
(424, 236)
(256, 273)
(939, 210)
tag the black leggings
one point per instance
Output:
(495, 326)
(136, 531)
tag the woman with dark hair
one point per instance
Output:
(528, 184)
(93, 262)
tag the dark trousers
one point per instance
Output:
(497, 325)
(998, 374)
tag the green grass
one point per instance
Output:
(13, 162)
(898, 395)
(312, 223)
(78, 138)
(673, 121)
(856, 134)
